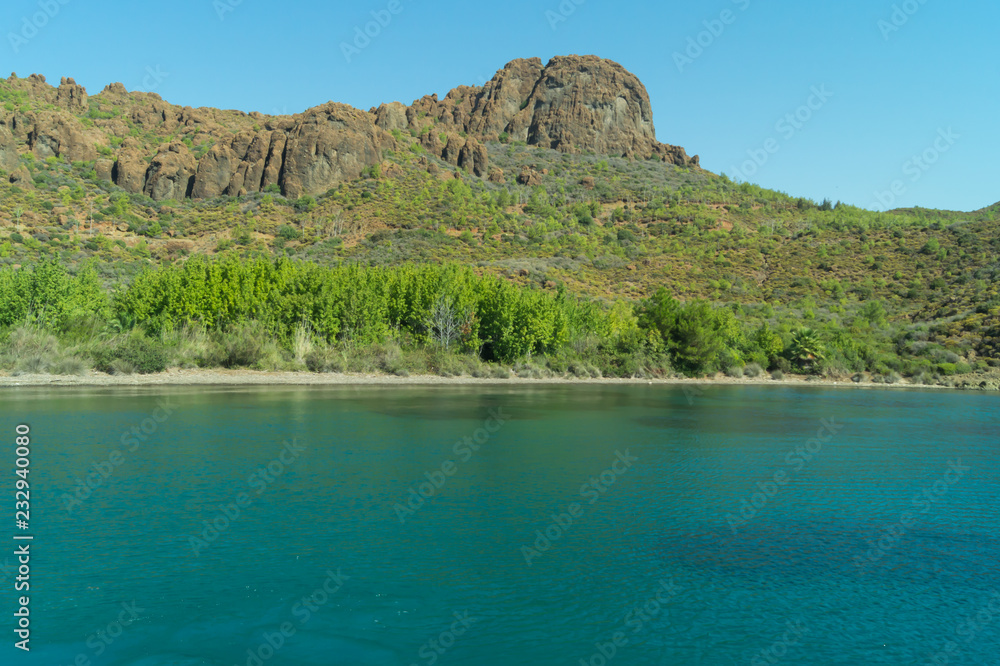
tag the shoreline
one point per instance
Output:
(199, 377)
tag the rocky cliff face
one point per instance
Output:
(143, 144)
(573, 104)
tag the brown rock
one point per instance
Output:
(589, 104)
(9, 157)
(250, 171)
(71, 96)
(572, 104)
(104, 169)
(474, 157)
(114, 89)
(496, 175)
(56, 135)
(453, 149)
(215, 171)
(529, 176)
(273, 162)
(588, 182)
(129, 171)
(22, 177)
(391, 116)
(502, 98)
(330, 144)
(432, 142)
(171, 173)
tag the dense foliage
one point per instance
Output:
(243, 311)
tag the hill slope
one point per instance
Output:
(573, 191)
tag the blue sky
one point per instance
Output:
(921, 84)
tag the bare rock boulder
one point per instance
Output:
(55, 134)
(215, 171)
(71, 96)
(171, 173)
(391, 116)
(329, 145)
(474, 157)
(129, 171)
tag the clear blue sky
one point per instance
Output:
(892, 91)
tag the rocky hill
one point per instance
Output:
(141, 143)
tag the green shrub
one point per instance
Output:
(137, 354)
(288, 232)
(242, 346)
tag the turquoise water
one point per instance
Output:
(869, 532)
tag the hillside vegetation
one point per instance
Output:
(557, 263)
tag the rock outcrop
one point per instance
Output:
(171, 173)
(391, 116)
(474, 157)
(571, 104)
(589, 104)
(330, 144)
(129, 171)
(71, 96)
(9, 157)
(306, 154)
(57, 135)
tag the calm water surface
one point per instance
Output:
(738, 525)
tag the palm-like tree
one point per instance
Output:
(806, 348)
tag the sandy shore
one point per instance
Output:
(176, 377)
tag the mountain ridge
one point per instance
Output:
(143, 144)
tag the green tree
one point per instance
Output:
(806, 348)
